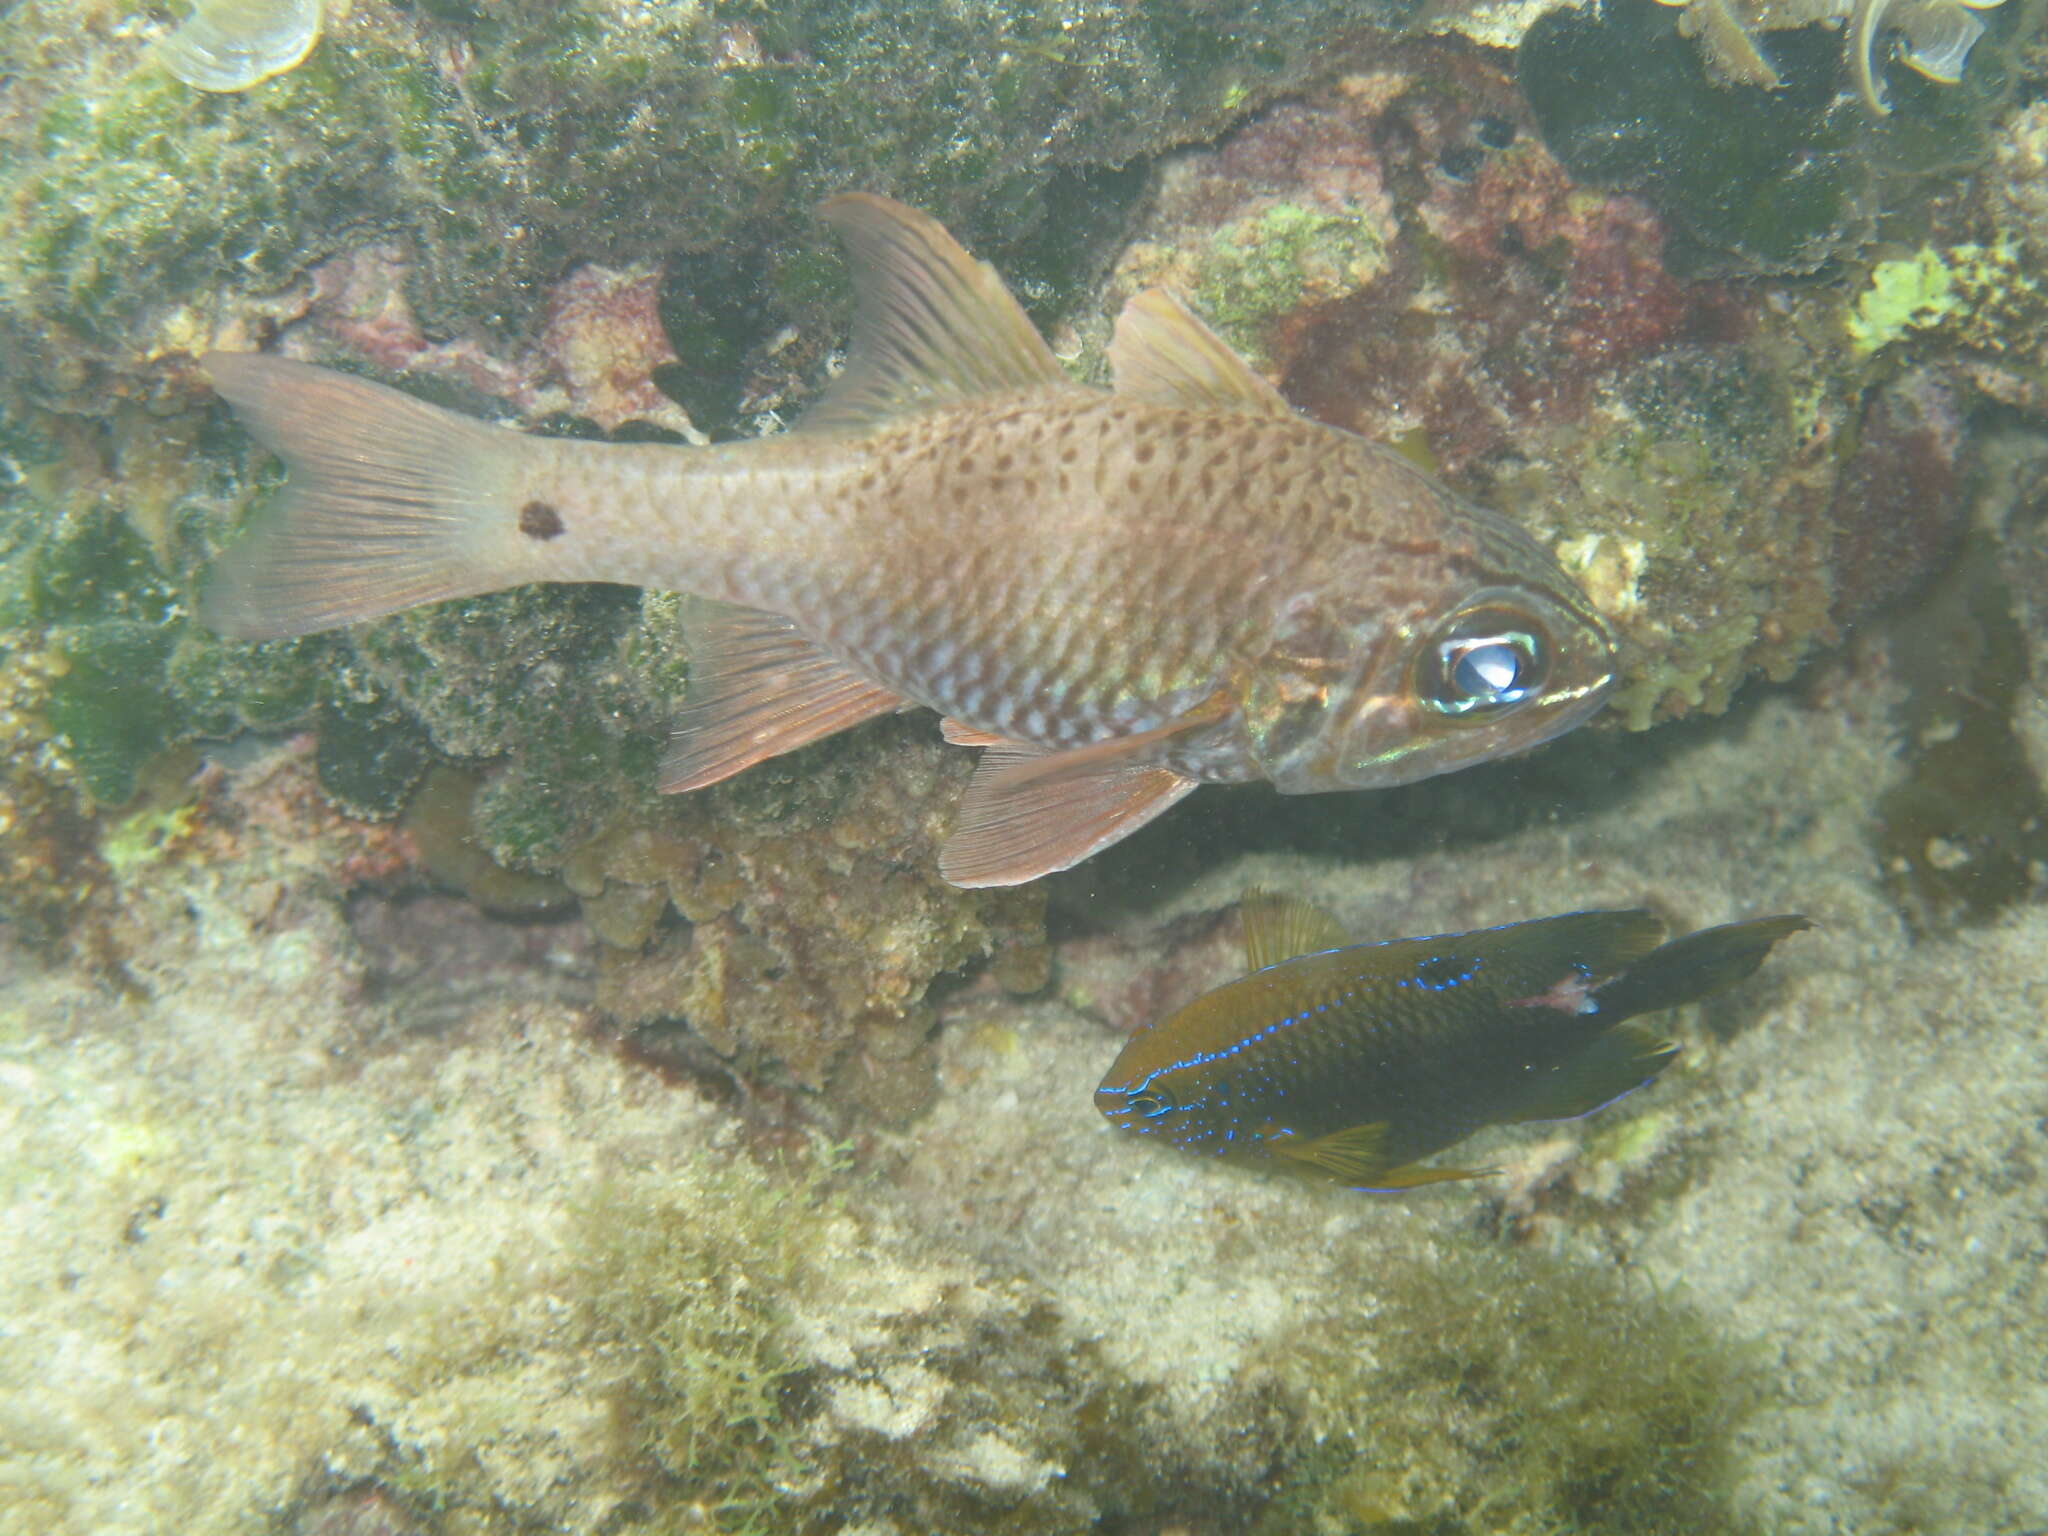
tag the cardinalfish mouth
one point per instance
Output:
(1351, 1062)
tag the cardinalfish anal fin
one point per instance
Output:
(1352, 1062)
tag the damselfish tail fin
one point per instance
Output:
(392, 502)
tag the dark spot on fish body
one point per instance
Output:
(1144, 452)
(538, 520)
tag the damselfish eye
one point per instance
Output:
(1483, 661)
(1149, 1103)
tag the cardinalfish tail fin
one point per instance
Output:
(391, 502)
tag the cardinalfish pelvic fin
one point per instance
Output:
(1351, 1062)
(1118, 595)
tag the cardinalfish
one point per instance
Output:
(1351, 1062)
(1118, 595)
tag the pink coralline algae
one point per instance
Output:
(604, 336)
(600, 341)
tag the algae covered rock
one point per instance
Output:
(1730, 482)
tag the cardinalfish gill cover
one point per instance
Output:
(1350, 1062)
(1117, 595)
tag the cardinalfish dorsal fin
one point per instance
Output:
(1698, 966)
(931, 325)
(1162, 352)
(758, 687)
(1278, 928)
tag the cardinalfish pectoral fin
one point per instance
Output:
(1278, 928)
(392, 502)
(1696, 966)
(758, 688)
(1356, 1157)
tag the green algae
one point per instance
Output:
(693, 1299)
(1513, 1393)
(1256, 270)
(1986, 296)
(503, 144)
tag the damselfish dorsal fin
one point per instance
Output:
(1162, 353)
(1280, 927)
(931, 325)
(758, 688)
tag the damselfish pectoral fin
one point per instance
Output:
(1356, 1157)
(758, 688)
(1027, 814)
(1618, 1063)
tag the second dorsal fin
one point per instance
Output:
(1162, 352)
(1279, 927)
(931, 325)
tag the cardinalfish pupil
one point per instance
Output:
(1351, 1062)
(1484, 664)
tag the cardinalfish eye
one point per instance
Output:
(1484, 661)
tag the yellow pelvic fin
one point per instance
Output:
(1356, 1158)
(1278, 928)
(1162, 352)
(931, 326)
(758, 688)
